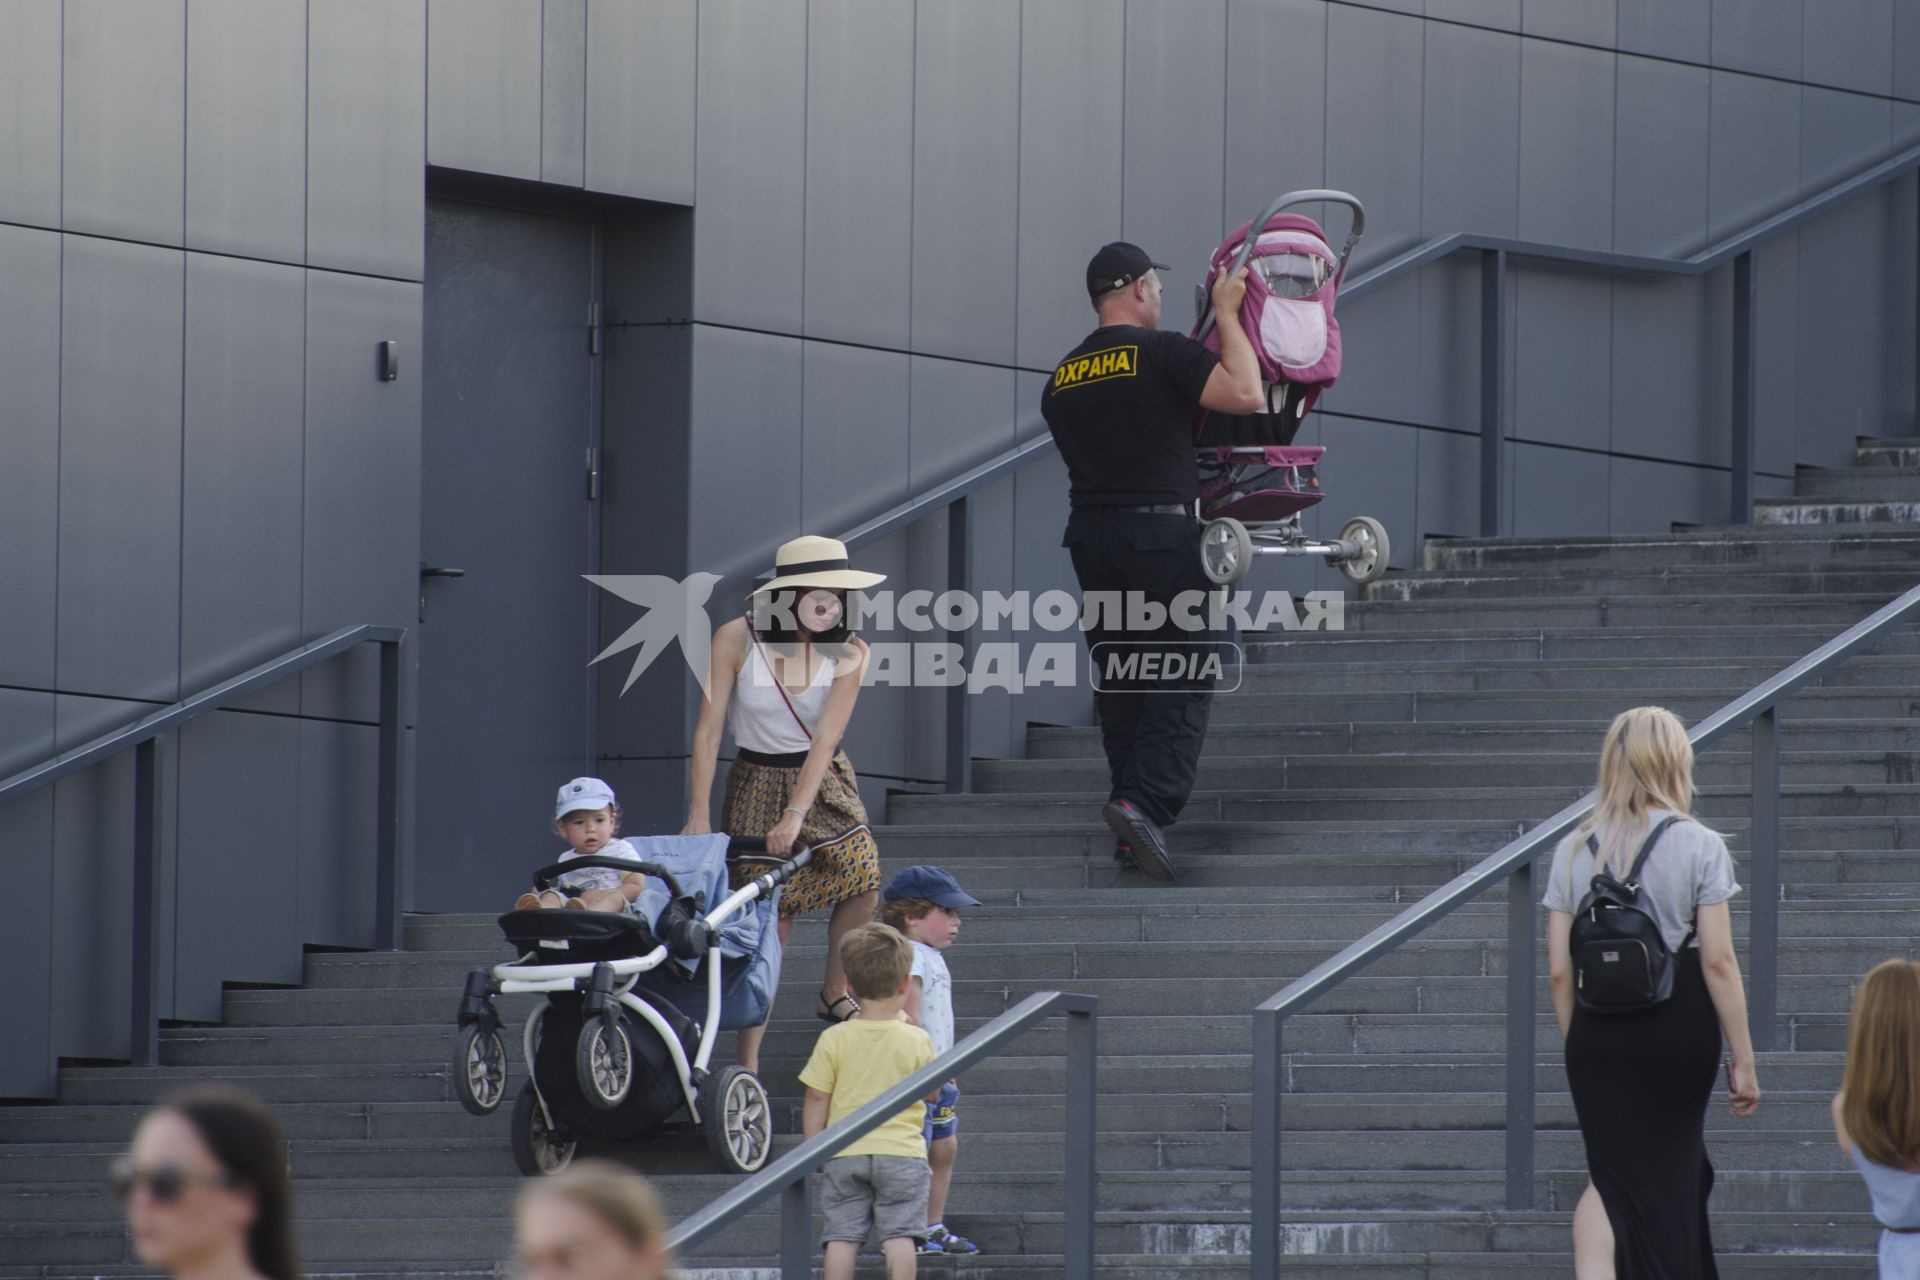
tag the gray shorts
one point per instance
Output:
(887, 1193)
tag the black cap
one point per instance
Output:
(1117, 265)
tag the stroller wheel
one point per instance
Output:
(1369, 539)
(480, 1068)
(538, 1148)
(738, 1120)
(603, 1057)
(1226, 550)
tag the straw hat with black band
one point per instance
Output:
(812, 561)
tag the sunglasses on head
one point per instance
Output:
(166, 1183)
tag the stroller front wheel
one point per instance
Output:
(480, 1068)
(538, 1147)
(1368, 537)
(738, 1120)
(603, 1059)
(1226, 550)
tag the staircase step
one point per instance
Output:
(1883, 482)
(1836, 512)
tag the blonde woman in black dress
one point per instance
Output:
(1641, 1081)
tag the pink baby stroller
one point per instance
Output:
(1253, 491)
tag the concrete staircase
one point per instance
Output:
(1352, 773)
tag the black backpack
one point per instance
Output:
(1621, 963)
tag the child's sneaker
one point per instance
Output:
(941, 1240)
(1123, 856)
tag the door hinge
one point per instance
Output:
(593, 328)
(593, 474)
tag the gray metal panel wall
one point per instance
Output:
(1260, 35)
(484, 94)
(241, 505)
(1171, 201)
(859, 183)
(1470, 170)
(1670, 28)
(119, 605)
(232, 770)
(1762, 36)
(1070, 166)
(959, 414)
(1849, 44)
(30, 448)
(1566, 144)
(30, 114)
(1660, 173)
(854, 434)
(362, 478)
(563, 92)
(246, 174)
(640, 98)
(1754, 157)
(1594, 22)
(332, 826)
(122, 117)
(366, 135)
(746, 448)
(26, 926)
(966, 176)
(749, 246)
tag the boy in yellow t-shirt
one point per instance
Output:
(881, 1180)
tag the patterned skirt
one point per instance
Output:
(845, 862)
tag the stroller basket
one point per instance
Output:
(1259, 484)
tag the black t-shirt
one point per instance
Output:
(1121, 408)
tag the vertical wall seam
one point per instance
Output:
(806, 170)
(540, 142)
(913, 137)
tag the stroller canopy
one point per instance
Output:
(1292, 283)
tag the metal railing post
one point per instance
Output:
(1763, 834)
(389, 813)
(1081, 1130)
(796, 1229)
(959, 705)
(1265, 1245)
(1522, 993)
(1745, 433)
(1493, 387)
(144, 949)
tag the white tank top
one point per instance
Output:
(758, 713)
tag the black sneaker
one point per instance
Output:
(1143, 835)
(1123, 856)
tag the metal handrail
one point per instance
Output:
(1514, 863)
(1495, 250)
(788, 1176)
(142, 737)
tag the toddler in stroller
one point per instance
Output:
(619, 1050)
(1254, 481)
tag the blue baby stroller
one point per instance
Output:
(620, 1049)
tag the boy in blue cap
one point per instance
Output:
(924, 904)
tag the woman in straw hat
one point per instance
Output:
(785, 678)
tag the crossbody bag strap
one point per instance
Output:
(778, 683)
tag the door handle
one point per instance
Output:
(434, 571)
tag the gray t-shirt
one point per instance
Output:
(1688, 868)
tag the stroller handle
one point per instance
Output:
(796, 858)
(1312, 195)
(543, 878)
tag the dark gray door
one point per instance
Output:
(510, 418)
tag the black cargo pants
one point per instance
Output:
(1151, 694)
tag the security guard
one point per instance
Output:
(1121, 407)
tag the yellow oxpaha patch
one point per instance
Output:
(1097, 366)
